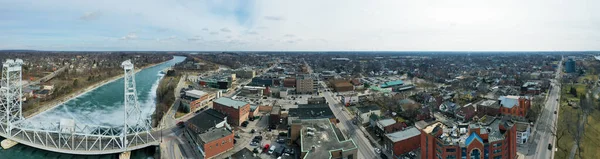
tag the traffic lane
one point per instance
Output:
(363, 147)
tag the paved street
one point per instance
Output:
(546, 123)
(365, 150)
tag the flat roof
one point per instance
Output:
(403, 135)
(230, 102)
(196, 92)
(392, 83)
(386, 122)
(320, 142)
(214, 134)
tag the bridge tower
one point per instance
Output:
(11, 90)
(135, 123)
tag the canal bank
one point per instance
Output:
(100, 106)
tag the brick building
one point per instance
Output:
(209, 132)
(318, 139)
(198, 99)
(305, 84)
(516, 106)
(342, 86)
(402, 142)
(236, 111)
(492, 138)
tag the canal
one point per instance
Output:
(101, 106)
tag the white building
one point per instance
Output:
(523, 132)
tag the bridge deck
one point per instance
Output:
(80, 144)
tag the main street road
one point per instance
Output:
(365, 150)
(546, 123)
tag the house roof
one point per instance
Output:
(509, 101)
(230, 102)
(366, 109)
(244, 153)
(207, 119)
(403, 135)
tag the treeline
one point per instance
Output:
(165, 96)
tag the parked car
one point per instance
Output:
(272, 149)
(245, 123)
(549, 146)
(180, 124)
(281, 140)
(377, 151)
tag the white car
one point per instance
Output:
(271, 150)
(377, 150)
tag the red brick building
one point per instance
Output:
(216, 141)
(389, 126)
(516, 106)
(493, 139)
(236, 111)
(402, 142)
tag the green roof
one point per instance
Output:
(230, 102)
(392, 83)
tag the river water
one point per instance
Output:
(101, 106)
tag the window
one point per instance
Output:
(223, 143)
(475, 154)
(497, 144)
(497, 151)
(450, 150)
(450, 157)
(498, 157)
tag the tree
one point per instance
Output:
(573, 91)
(75, 83)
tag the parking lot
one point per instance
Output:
(247, 138)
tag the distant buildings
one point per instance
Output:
(392, 84)
(342, 86)
(310, 111)
(245, 73)
(570, 66)
(236, 111)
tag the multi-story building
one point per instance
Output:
(198, 99)
(209, 132)
(318, 139)
(245, 73)
(515, 106)
(310, 111)
(402, 142)
(236, 111)
(570, 66)
(523, 132)
(490, 138)
(305, 84)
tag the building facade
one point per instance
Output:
(236, 111)
(515, 106)
(305, 84)
(490, 140)
(402, 142)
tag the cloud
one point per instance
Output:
(225, 30)
(170, 38)
(90, 16)
(274, 18)
(289, 35)
(130, 36)
(195, 38)
(214, 33)
(204, 29)
(252, 33)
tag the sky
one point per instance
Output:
(305, 25)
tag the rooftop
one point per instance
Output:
(214, 134)
(311, 111)
(318, 138)
(230, 102)
(207, 119)
(403, 135)
(392, 83)
(509, 101)
(367, 108)
(459, 134)
(386, 122)
(196, 92)
(244, 154)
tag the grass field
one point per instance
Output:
(565, 120)
(590, 146)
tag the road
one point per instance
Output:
(546, 124)
(365, 150)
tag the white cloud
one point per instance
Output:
(226, 30)
(130, 36)
(352, 24)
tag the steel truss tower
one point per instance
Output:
(11, 90)
(135, 123)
